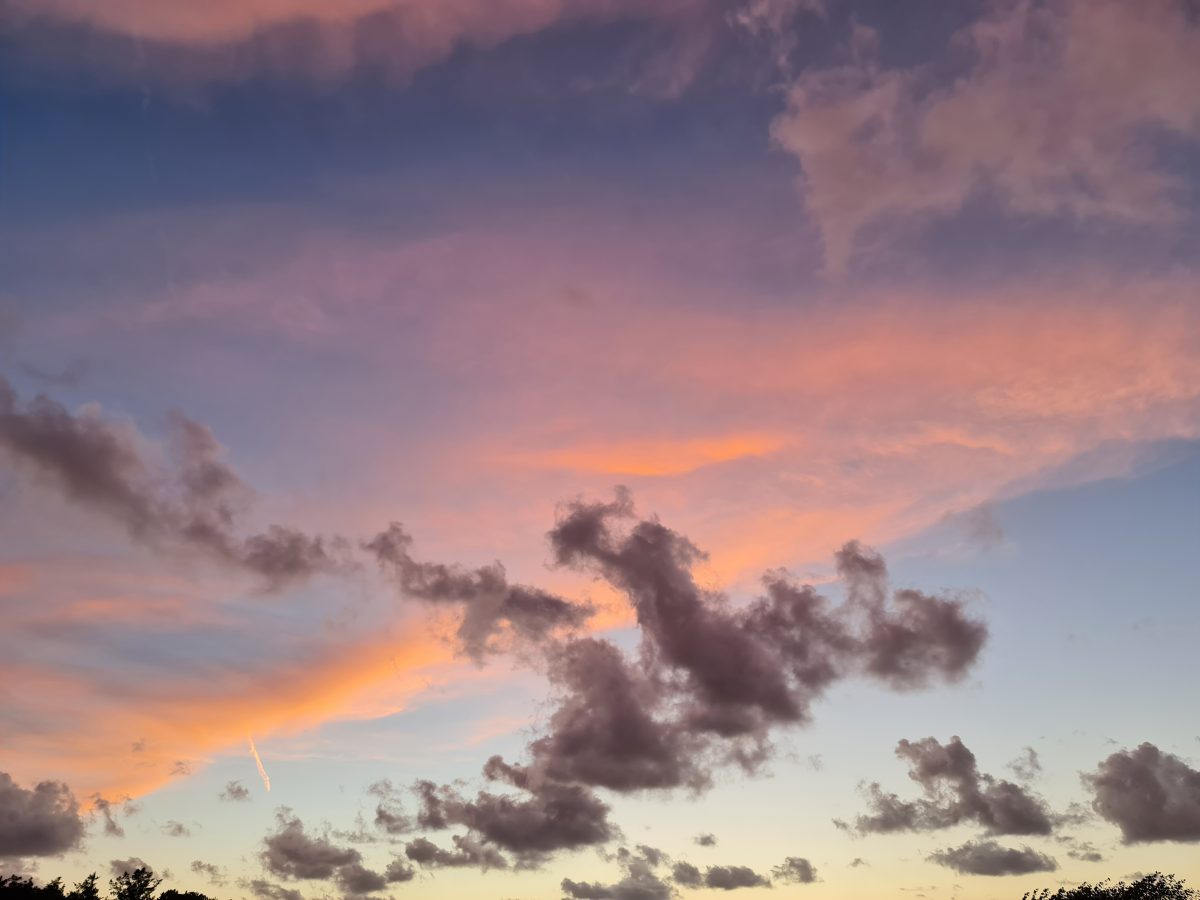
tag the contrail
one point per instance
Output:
(258, 762)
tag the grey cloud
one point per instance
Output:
(192, 503)
(120, 867)
(40, 821)
(389, 816)
(398, 872)
(292, 853)
(640, 882)
(210, 871)
(795, 869)
(268, 891)
(467, 853)
(1150, 795)
(687, 875)
(705, 840)
(355, 880)
(112, 828)
(955, 792)
(489, 603)
(176, 829)
(236, 792)
(730, 878)
(989, 858)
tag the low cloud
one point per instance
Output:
(42, 820)
(989, 858)
(955, 792)
(235, 792)
(1150, 795)
(796, 870)
(291, 852)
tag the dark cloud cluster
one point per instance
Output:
(706, 686)
(724, 878)
(1150, 795)
(489, 604)
(640, 881)
(955, 791)
(990, 858)
(191, 502)
(389, 816)
(40, 821)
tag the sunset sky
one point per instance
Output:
(629, 449)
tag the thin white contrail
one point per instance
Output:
(258, 762)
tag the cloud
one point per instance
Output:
(705, 840)
(211, 871)
(878, 144)
(176, 829)
(355, 880)
(112, 828)
(120, 867)
(467, 853)
(306, 39)
(640, 882)
(1150, 795)
(191, 503)
(546, 817)
(955, 792)
(729, 878)
(687, 875)
(267, 891)
(235, 792)
(40, 821)
(1027, 766)
(795, 869)
(389, 816)
(398, 872)
(292, 853)
(490, 604)
(989, 858)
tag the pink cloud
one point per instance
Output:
(1055, 117)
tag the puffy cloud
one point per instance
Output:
(730, 878)
(989, 858)
(705, 840)
(40, 821)
(292, 853)
(687, 875)
(389, 816)
(640, 882)
(955, 792)
(490, 604)
(355, 879)
(192, 503)
(120, 867)
(1150, 795)
(467, 853)
(235, 792)
(211, 871)
(795, 869)
(398, 872)
(878, 144)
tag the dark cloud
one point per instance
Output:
(389, 816)
(355, 880)
(191, 502)
(236, 792)
(640, 882)
(730, 878)
(398, 872)
(744, 670)
(545, 817)
(705, 840)
(112, 828)
(176, 829)
(40, 821)
(989, 858)
(268, 891)
(955, 792)
(796, 870)
(467, 853)
(707, 684)
(120, 867)
(292, 853)
(210, 871)
(1150, 795)
(687, 875)
(490, 605)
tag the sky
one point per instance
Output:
(629, 449)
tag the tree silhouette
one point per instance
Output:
(86, 889)
(140, 884)
(1149, 887)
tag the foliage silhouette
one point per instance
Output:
(140, 884)
(1149, 887)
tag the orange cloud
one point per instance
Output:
(651, 458)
